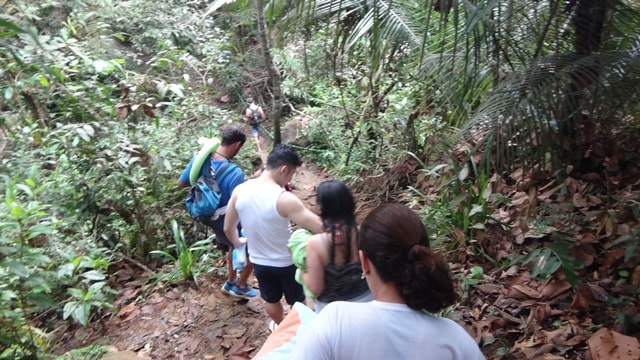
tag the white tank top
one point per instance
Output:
(267, 232)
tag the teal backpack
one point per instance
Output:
(204, 196)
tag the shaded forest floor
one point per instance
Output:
(506, 309)
(512, 308)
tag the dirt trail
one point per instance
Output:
(185, 321)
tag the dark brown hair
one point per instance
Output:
(337, 211)
(283, 154)
(231, 135)
(394, 238)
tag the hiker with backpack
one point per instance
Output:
(227, 175)
(254, 115)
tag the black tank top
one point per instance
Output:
(342, 281)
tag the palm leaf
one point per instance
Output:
(524, 117)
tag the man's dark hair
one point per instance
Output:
(232, 134)
(283, 154)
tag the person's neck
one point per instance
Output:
(387, 293)
(383, 291)
(268, 177)
(220, 153)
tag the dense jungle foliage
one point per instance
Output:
(102, 102)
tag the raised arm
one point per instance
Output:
(291, 207)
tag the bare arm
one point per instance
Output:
(315, 262)
(182, 185)
(262, 115)
(291, 207)
(231, 220)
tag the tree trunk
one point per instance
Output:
(274, 74)
(588, 25)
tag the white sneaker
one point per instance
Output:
(272, 326)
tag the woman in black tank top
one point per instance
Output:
(333, 267)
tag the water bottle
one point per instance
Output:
(239, 255)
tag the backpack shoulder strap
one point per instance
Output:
(223, 170)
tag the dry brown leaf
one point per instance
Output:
(240, 350)
(583, 299)
(586, 238)
(584, 253)
(610, 345)
(132, 315)
(236, 332)
(553, 289)
(537, 351)
(148, 110)
(591, 177)
(173, 294)
(127, 309)
(635, 278)
(519, 198)
(550, 357)
(593, 200)
(489, 288)
(598, 292)
(255, 305)
(612, 257)
(539, 313)
(518, 234)
(579, 201)
(623, 229)
(527, 291)
(572, 185)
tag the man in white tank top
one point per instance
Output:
(265, 209)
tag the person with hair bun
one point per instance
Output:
(409, 282)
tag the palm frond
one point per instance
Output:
(525, 119)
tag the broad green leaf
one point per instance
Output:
(65, 270)
(94, 275)
(215, 6)
(76, 293)
(38, 258)
(102, 67)
(81, 313)
(95, 287)
(7, 295)
(42, 300)
(177, 89)
(16, 268)
(8, 93)
(26, 189)
(68, 309)
(83, 134)
(89, 130)
(43, 80)
(464, 173)
(476, 209)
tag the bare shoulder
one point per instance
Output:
(316, 247)
(315, 241)
(288, 203)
